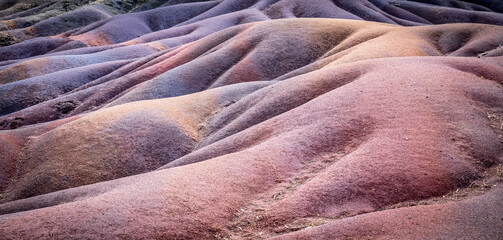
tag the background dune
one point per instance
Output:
(247, 119)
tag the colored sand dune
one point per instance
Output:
(251, 119)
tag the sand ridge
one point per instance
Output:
(256, 119)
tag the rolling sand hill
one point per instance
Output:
(251, 119)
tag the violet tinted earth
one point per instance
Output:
(251, 119)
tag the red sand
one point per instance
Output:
(291, 129)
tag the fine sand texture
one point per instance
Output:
(251, 119)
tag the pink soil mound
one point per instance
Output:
(218, 122)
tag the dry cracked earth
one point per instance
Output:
(251, 119)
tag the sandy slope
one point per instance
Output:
(211, 120)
